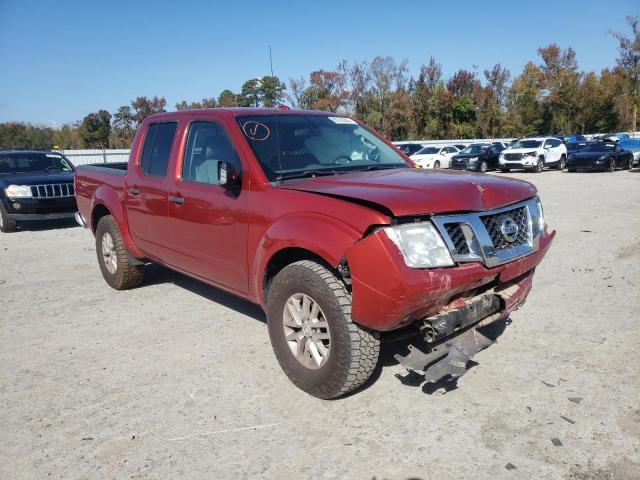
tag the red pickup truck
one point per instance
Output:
(327, 226)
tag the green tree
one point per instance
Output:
(250, 93)
(227, 99)
(123, 127)
(271, 91)
(95, 129)
(629, 64)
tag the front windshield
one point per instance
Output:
(295, 145)
(428, 151)
(33, 163)
(475, 148)
(527, 144)
(599, 147)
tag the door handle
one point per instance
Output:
(133, 191)
(176, 199)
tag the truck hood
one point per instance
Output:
(408, 191)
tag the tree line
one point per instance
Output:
(550, 95)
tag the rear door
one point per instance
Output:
(146, 190)
(208, 222)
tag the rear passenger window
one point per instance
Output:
(157, 148)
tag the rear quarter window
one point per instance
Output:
(157, 148)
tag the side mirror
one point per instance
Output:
(227, 175)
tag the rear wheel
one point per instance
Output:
(314, 339)
(436, 164)
(628, 165)
(113, 258)
(563, 163)
(6, 224)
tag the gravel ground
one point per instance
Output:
(177, 379)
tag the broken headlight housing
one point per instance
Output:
(420, 244)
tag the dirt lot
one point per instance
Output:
(177, 379)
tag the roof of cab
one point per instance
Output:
(239, 111)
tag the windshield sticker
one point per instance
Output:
(343, 121)
(256, 131)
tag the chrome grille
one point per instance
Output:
(512, 156)
(479, 237)
(53, 190)
(456, 234)
(493, 225)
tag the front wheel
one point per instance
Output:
(628, 165)
(113, 257)
(6, 224)
(611, 166)
(540, 165)
(314, 339)
(483, 166)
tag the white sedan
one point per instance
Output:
(438, 156)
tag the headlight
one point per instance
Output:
(540, 215)
(420, 244)
(528, 154)
(18, 191)
(602, 157)
(473, 159)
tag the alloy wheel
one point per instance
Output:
(109, 255)
(306, 330)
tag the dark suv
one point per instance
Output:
(35, 185)
(478, 157)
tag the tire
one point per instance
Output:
(436, 164)
(505, 170)
(351, 350)
(628, 165)
(483, 166)
(113, 257)
(7, 224)
(611, 166)
(539, 166)
(563, 163)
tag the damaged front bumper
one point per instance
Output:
(452, 337)
(387, 295)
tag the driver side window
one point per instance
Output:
(207, 144)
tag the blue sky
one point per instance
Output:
(61, 60)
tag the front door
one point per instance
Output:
(207, 222)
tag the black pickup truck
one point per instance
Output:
(35, 185)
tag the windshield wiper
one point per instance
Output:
(306, 174)
(382, 167)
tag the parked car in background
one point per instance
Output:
(574, 147)
(35, 185)
(601, 156)
(409, 148)
(477, 157)
(500, 146)
(613, 137)
(577, 137)
(460, 146)
(438, 156)
(320, 221)
(632, 145)
(534, 154)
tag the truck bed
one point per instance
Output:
(109, 177)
